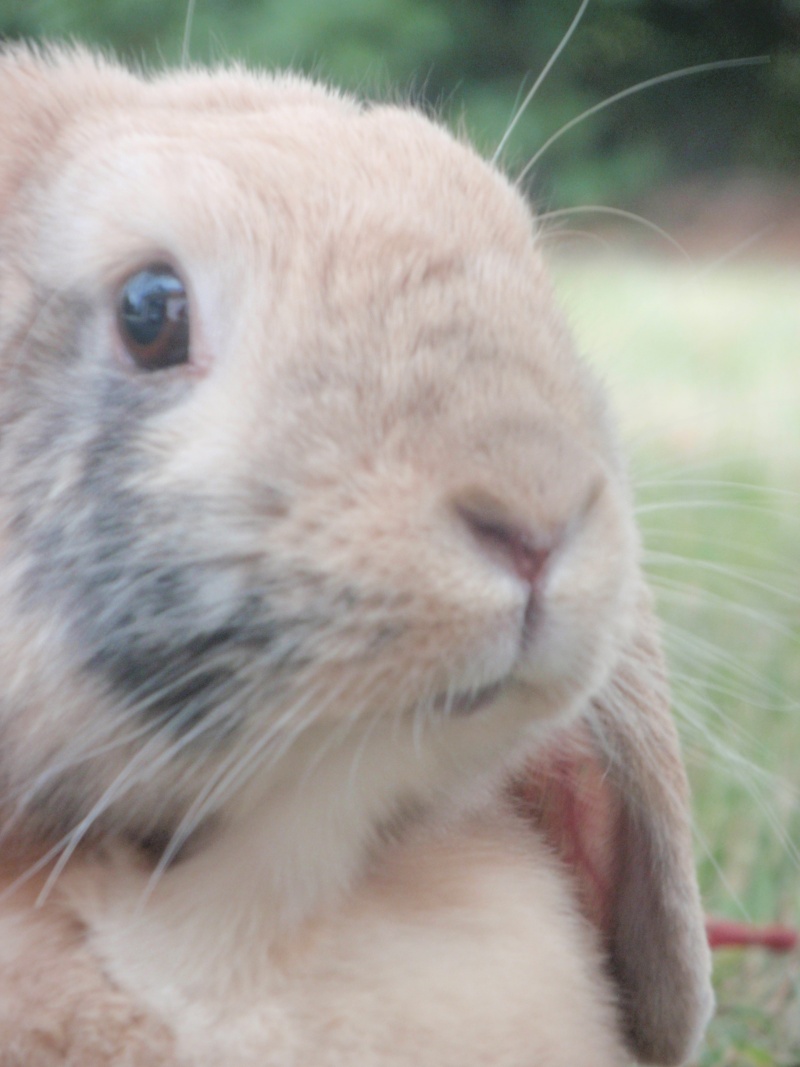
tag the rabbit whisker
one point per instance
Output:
(520, 111)
(685, 72)
(615, 212)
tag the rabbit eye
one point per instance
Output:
(153, 318)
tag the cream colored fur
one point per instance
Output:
(379, 376)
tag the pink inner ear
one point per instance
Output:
(568, 796)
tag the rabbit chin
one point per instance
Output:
(293, 847)
(291, 842)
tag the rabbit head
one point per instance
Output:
(299, 469)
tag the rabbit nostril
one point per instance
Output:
(528, 561)
(507, 541)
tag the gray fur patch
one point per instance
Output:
(126, 571)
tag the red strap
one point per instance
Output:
(723, 933)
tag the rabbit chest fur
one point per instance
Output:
(333, 726)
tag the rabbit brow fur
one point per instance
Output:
(333, 722)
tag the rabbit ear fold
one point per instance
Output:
(613, 798)
(40, 91)
(28, 120)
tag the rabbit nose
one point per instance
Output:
(506, 539)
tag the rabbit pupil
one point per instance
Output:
(153, 320)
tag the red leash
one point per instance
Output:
(723, 933)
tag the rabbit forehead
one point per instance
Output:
(344, 243)
(132, 171)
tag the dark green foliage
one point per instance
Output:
(473, 58)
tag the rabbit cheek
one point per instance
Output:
(89, 542)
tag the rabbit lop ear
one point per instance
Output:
(613, 799)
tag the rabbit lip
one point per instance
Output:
(468, 701)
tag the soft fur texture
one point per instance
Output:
(332, 714)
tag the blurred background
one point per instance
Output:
(690, 311)
(471, 60)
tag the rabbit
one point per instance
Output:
(335, 727)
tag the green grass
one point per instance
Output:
(703, 366)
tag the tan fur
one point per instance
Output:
(379, 376)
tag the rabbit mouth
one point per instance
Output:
(470, 701)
